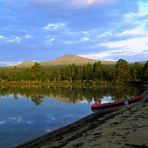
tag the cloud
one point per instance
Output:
(50, 39)
(133, 32)
(72, 4)
(90, 2)
(106, 34)
(127, 47)
(28, 36)
(143, 8)
(83, 26)
(2, 37)
(9, 63)
(141, 13)
(104, 55)
(132, 42)
(54, 26)
(85, 39)
(14, 39)
(130, 46)
(75, 2)
(77, 41)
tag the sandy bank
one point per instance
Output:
(122, 127)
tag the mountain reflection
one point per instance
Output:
(70, 95)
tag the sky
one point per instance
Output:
(42, 30)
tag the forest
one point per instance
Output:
(121, 71)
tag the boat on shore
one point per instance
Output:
(97, 106)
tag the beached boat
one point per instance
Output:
(117, 103)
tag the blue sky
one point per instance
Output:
(42, 30)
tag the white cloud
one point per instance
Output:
(85, 32)
(133, 32)
(54, 26)
(2, 37)
(143, 8)
(72, 4)
(104, 55)
(128, 47)
(90, 2)
(28, 36)
(9, 63)
(85, 39)
(50, 40)
(133, 17)
(78, 41)
(69, 42)
(135, 40)
(106, 34)
(14, 39)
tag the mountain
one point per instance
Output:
(26, 64)
(69, 59)
(65, 60)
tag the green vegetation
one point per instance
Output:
(91, 73)
(145, 72)
(70, 95)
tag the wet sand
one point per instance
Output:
(120, 127)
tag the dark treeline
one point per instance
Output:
(122, 71)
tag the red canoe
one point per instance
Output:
(118, 103)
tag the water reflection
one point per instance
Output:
(27, 113)
(72, 95)
(107, 99)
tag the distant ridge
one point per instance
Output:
(140, 62)
(69, 59)
(65, 60)
(26, 64)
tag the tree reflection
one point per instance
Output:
(70, 95)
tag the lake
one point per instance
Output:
(27, 113)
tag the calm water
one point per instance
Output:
(28, 113)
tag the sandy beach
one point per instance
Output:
(120, 127)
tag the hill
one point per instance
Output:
(65, 60)
(68, 60)
(26, 64)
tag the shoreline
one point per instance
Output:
(75, 84)
(115, 127)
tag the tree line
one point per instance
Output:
(121, 71)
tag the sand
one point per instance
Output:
(120, 127)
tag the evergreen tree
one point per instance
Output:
(122, 70)
(145, 72)
(136, 71)
(97, 71)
